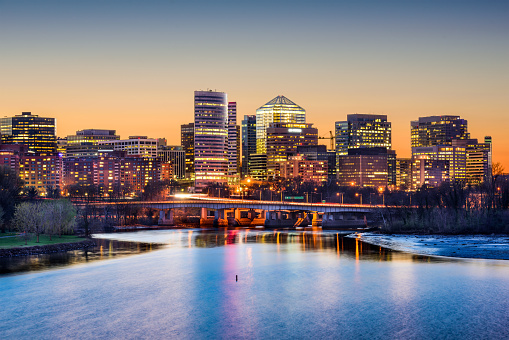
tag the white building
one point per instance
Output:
(135, 145)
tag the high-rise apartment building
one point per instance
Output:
(437, 130)
(278, 110)
(233, 173)
(187, 142)
(248, 142)
(283, 140)
(210, 138)
(86, 142)
(41, 171)
(38, 133)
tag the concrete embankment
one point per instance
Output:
(46, 249)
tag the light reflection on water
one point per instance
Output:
(105, 249)
(291, 285)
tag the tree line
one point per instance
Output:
(52, 218)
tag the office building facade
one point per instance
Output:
(258, 167)
(86, 142)
(305, 169)
(233, 171)
(176, 156)
(187, 142)
(210, 138)
(365, 167)
(38, 133)
(454, 155)
(134, 146)
(248, 142)
(437, 130)
(278, 110)
(283, 139)
(366, 131)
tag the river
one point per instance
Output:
(250, 284)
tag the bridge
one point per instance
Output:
(240, 212)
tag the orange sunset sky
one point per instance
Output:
(134, 67)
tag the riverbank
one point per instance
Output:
(463, 246)
(67, 245)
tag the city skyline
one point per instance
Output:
(135, 69)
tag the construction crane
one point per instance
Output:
(331, 137)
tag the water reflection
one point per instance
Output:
(114, 245)
(308, 241)
(104, 249)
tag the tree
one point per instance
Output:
(68, 220)
(32, 193)
(25, 218)
(10, 193)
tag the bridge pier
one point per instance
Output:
(316, 222)
(205, 219)
(166, 217)
(220, 220)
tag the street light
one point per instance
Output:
(357, 195)
(381, 191)
(340, 193)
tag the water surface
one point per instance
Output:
(290, 285)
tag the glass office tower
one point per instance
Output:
(437, 130)
(38, 133)
(248, 142)
(278, 110)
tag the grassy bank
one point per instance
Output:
(11, 240)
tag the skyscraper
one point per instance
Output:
(248, 142)
(210, 138)
(437, 130)
(278, 110)
(363, 131)
(233, 174)
(187, 142)
(38, 133)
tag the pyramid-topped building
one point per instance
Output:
(278, 110)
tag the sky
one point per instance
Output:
(133, 66)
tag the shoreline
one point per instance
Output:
(46, 249)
